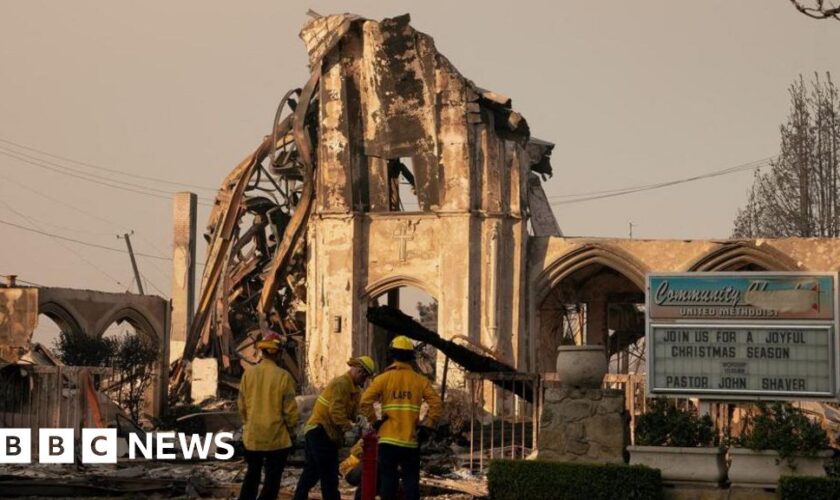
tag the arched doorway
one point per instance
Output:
(592, 295)
(413, 301)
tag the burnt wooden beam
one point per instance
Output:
(396, 321)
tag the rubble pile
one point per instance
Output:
(214, 480)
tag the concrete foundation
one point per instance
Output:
(205, 379)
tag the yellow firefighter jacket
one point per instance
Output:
(352, 460)
(336, 408)
(267, 406)
(400, 390)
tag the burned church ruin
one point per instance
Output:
(388, 169)
(391, 169)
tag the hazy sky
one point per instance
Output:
(631, 92)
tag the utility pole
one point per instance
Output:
(127, 238)
(631, 229)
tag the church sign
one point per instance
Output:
(743, 335)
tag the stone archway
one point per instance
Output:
(136, 319)
(153, 383)
(587, 255)
(64, 319)
(743, 256)
(593, 294)
(91, 312)
(400, 292)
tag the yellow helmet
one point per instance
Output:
(365, 362)
(270, 342)
(402, 342)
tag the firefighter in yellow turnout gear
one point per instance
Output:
(332, 415)
(269, 414)
(400, 390)
(351, 468)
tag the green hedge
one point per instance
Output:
(809, 488)
(538, 480)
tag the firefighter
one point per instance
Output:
(269, 416)
(333, 414)
(400, 390)
(351, 468)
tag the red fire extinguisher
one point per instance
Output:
(370, 444)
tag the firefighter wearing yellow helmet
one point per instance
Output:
(334, 412)
(269, 415)
(400, 390)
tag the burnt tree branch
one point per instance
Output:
(819, 11)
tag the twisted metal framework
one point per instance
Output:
(255, 274)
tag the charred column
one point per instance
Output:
(183, 270)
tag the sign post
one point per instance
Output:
(742, 335)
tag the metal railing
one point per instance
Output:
(504, 416)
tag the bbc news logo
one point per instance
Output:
(101, 446)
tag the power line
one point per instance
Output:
(597, 195)
(83, 212)
(63, 203)
(106, 169)
(90, 177)
(25, 282)
(39, 164)
(68, 205)
(79, 172)
(150, 282)
(81, 175)
(745, 166)
(79, 242)
(65, 228)
(77, 254)
(87, 243)
(151, 262)
(99, 218)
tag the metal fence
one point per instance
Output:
(506, 408)
(504, 416)
(35, 397)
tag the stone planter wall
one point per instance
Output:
(763, 468)
(691, 465)
(583, 425)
